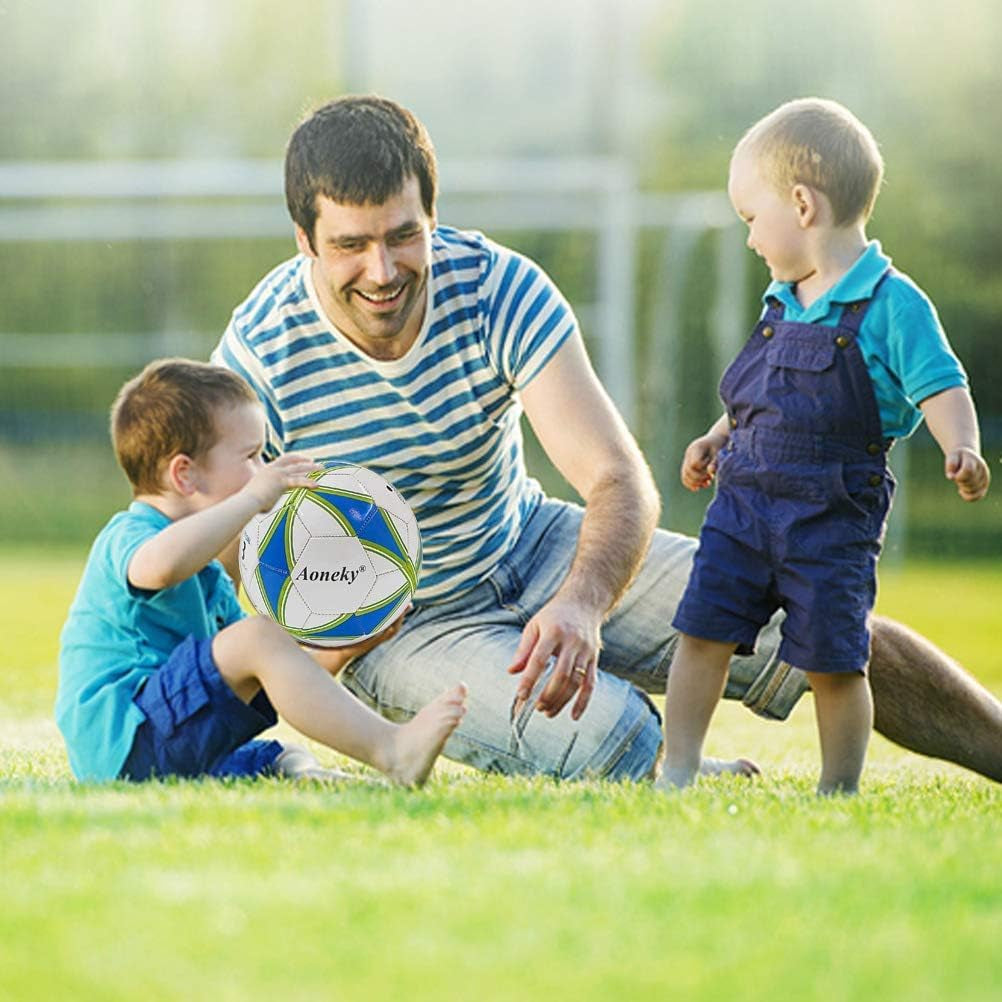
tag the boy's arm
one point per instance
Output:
(187, 545)
(953, 422)
(184, 547)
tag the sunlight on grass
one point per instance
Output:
(491, 888)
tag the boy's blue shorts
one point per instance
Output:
(196, 725)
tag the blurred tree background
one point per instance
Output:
(665, 86)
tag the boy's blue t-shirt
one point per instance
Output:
(116, 636)
(902, 341)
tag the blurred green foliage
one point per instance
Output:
(93, 79)
(925, 77)
(121, 80)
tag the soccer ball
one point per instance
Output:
(334, 563)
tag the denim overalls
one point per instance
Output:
(803, 493)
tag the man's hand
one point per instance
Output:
(568, 631)
(968, 470)
(333, 659)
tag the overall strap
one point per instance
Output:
(775, 311)
(853, 313)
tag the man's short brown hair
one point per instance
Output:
(357, 150)
(170, 408)
(819, 143)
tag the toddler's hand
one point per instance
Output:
(275, 478)
(969, 472)
(699, 462)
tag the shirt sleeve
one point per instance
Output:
(526, 316)
(131, 532)
(919, 352)
(233, 352)
(229, 604)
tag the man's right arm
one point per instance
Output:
(587, 440)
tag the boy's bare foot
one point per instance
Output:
(739, 766)
(419, 741)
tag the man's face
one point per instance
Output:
(370, 268)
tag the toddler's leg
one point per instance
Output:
(258, 654)
(695, 686)
(844, 710)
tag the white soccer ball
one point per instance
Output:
(334, 563)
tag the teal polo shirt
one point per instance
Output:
(901, 339)
(116, 636)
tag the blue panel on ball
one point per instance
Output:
(272, 581)
(355, 510)
(274, 552)
(359, 625)
(378, 532)
(273, 566)
(367, 520)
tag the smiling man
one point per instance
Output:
(413, 349)
(369, 268)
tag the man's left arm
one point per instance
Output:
(588, 442)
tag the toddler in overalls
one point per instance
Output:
(848, 356)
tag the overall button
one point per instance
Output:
(767, 332)
(873, 448)
(842, 341)
(855, 307)
(734, 422)
(876, 480)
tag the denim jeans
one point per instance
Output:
(473, 638)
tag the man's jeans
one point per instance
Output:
(473, 639)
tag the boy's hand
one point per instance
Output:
(968, 470)
(699, 463)
(275, 478)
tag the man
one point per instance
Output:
(413, 349)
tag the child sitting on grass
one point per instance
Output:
(160, 671)
(848, 356)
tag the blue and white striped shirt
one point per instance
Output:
(441, 424)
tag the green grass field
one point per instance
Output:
(486, 888)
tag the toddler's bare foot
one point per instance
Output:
(739, 766)
(675, 778)
(419, 741)
(838, 788)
